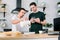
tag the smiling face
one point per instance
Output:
(21, 13)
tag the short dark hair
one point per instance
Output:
(19, 9)
(33, 3)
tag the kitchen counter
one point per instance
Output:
(29, 36)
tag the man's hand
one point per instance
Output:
(24, 19)
(37, 20)
(32, 20)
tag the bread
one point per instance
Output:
(8, 33)
(12, 33)
(17, 34)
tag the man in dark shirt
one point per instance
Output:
(36, 18)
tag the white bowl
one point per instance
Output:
(29, 33)
(24, 23)
(40, 32)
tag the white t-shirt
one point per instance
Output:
(19, 26)
(14, 26)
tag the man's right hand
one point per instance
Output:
(32, 20)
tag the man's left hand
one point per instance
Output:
(37, 20)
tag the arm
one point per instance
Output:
(31, 20)
(43, 22)
(15, 21)
(39, 21)
(18, 20)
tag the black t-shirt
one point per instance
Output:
(36, 26)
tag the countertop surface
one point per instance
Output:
(19, 35)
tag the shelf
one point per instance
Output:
(3, 8)
(2, 19)
(2, 4)
(2, 12)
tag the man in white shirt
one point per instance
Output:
(17, 19)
